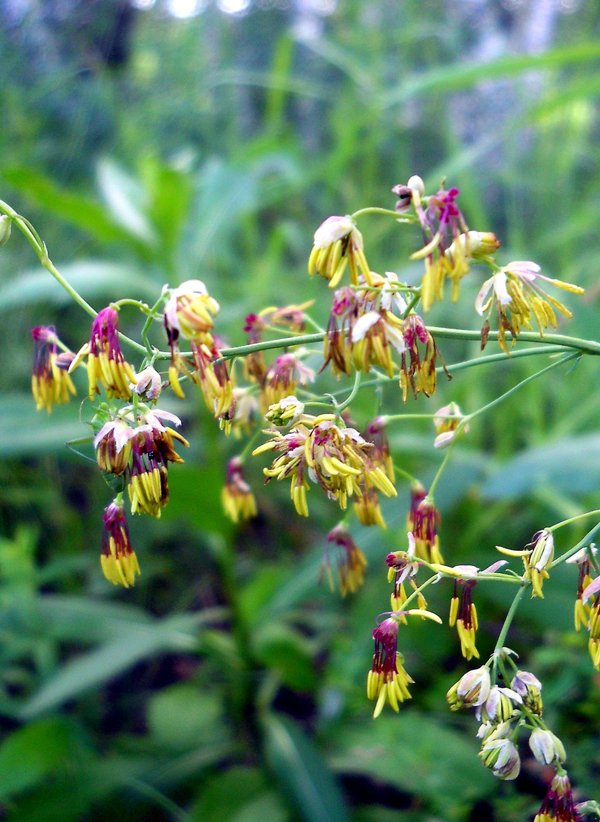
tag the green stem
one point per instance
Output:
(249, 445)
(404, 473)
(441, 469)
(352, 394)
(283, 342)
(143, 307)
(461, 366)
(149, 320)
(516, 580)
(507, 623)
(517, 387)
(586, 539)
(419, 590)
(502, 357)
(576, 518)
(404, 218)
(589, 346)
(414, 301)
(41, 252)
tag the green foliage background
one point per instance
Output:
(229, 685)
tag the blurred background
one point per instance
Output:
(153, 142)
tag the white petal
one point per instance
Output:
(482, 296)
(106, 428)
(524, 269)
(164, 415)
(331, 230)
(500, 289)
(363, 324)
(592, 589)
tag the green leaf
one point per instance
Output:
(95, 280)
(180, 716)
(92, 669)
(33, 752)
(417, 754)
(306, 780)
(126, 200)
(284, 650)
(571, 465)
(463, 75)
(239, 795)
(27, 432)
(170, 196)
(82, 619)
(76, 209)
(75, 787)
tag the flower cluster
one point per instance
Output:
(327, 453)
(363, 332)
(136, 445)
(372, 328)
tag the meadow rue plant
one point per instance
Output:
(269, 386)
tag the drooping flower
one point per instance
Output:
(500, 755)
(335, 457)
(518, 299)
(501, 705)
(152, 448)
(106, 364)
(471, 690)
(236, 496)
(546, 747)
(582, 611)
(463, 614)
(285, 412)
(447, 423)
(212, 375)
(50, 383)
(364, 332)
(403, 566)
(529, 688)
(283, 377)
(119, 562)
(558, 804)
(113, 444)
(593, 591)
(368, 508)
(375, 433)
(338, 243)
(362, 329)
(423, 521)
(190, 312)
(147, 384)
(350, 561)
(442, 224)
(387, 680)
(539, 561)
(417, 367)
(246, 412)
